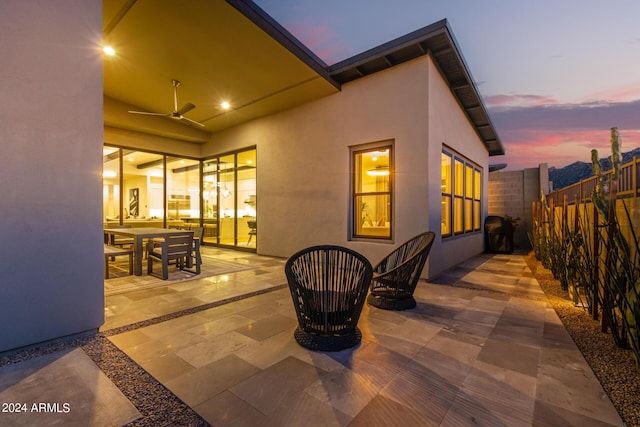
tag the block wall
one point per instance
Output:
(511, 193)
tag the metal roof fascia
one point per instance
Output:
(389, 47)
(481, 105)
(270, 26)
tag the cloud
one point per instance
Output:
(499, 102)
(559, 148)
(559, 134)
(589, 115)
(626, 93)
(322, 41)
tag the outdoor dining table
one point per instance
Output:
(139, 234)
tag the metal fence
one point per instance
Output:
(594, 254)
(628, 186)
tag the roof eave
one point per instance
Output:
(436, 39)
(270, 26)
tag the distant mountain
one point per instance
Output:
(575, 172)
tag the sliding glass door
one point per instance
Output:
(142, 189)
(230, 197)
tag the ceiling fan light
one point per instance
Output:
(378, 171)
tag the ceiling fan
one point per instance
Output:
(176, 114)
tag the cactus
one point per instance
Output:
(616, 158)
(599, 196)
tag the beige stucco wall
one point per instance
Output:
(303, 162)
(449, 125)
(51, 282)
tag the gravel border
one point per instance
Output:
(615, 367)
(157, 404)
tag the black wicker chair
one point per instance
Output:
(396, 276)
(329, 286)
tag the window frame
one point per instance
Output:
(355, 213)
(446, 186)
(463, 201)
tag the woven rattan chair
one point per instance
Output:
(329, 286)
(396, 276)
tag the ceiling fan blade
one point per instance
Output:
(146, 113)
(186, 108)
(191, 121)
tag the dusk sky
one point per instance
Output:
(555, 75)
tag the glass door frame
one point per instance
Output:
(219, 212)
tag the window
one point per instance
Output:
(446, 193)
(372, 198)
(461, 194)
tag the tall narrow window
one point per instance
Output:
(461, 195)
(468, 198)
(477, 185)
(458, 196)
(446, 193)
(372, 190)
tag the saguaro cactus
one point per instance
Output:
(605, 191)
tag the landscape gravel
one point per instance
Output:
(615, 367)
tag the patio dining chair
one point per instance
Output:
(395, 277)
(253, 230)
(114, 240)
(196, 258)
(176, 248)
(328, 286)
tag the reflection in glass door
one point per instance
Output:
(246, 201)
(183, 191)
(210, 201)
(229, 197)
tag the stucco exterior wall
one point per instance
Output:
(303, 162)
(51, 282)
(449, 125)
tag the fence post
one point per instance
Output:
(596, 256)
(565, 219)
(635, 177)
(611, 229)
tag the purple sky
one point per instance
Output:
(556, 75)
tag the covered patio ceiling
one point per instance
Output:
(233, 51)
(216, 52)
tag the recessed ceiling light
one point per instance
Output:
(225, 105)
(108, 50)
